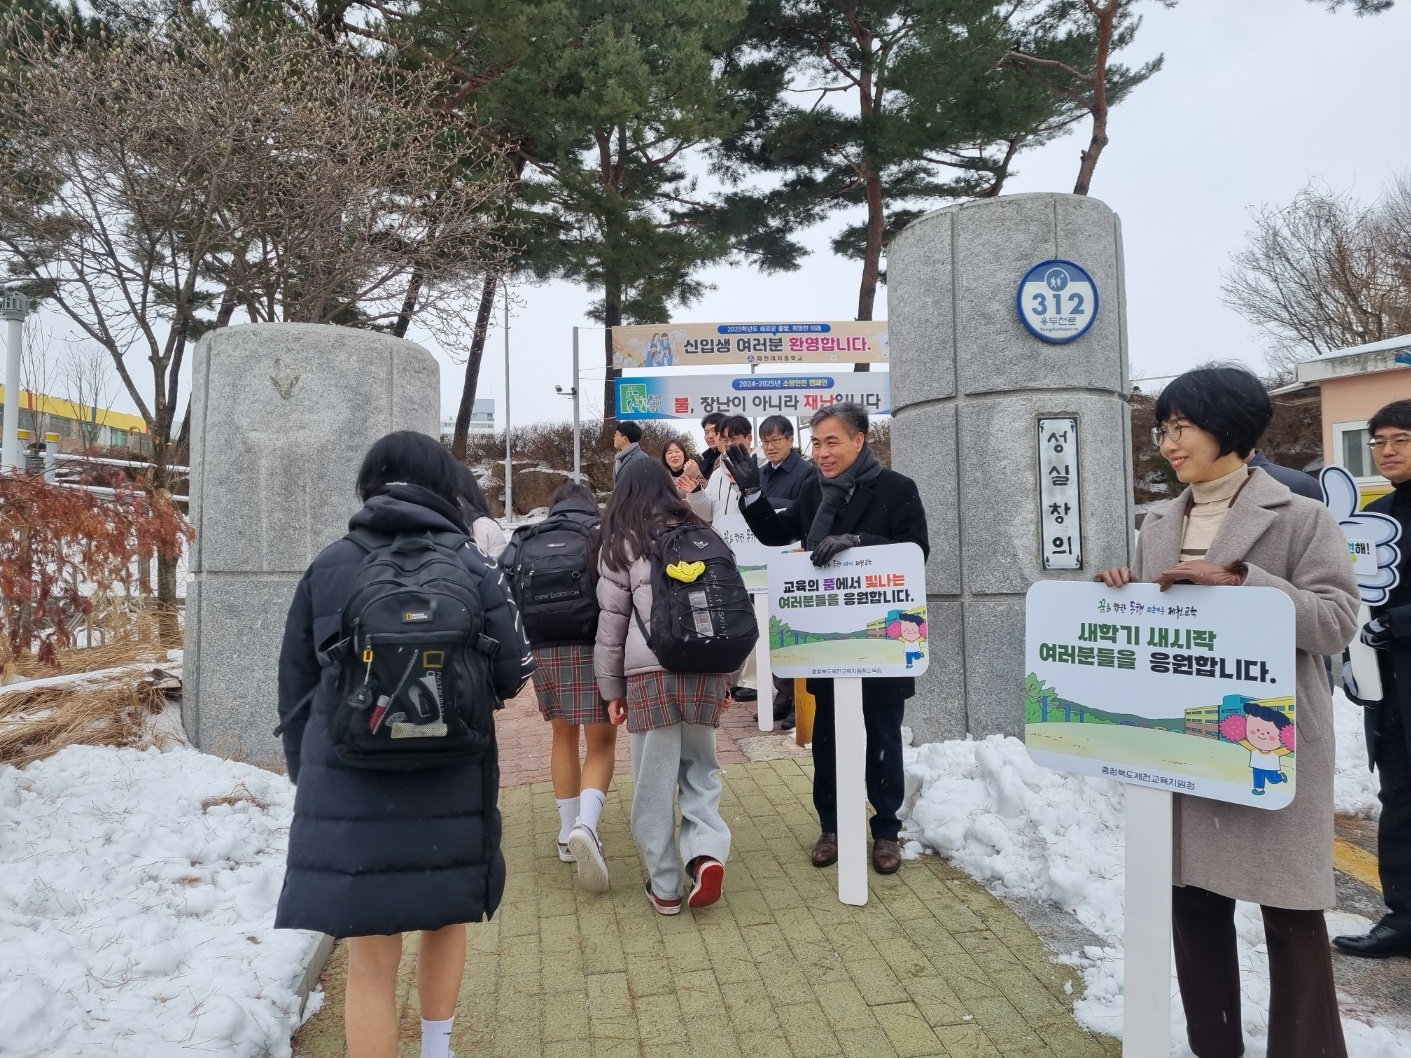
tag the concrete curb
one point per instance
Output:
(313, 969)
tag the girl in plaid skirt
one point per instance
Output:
(671, 716)
(568, 693)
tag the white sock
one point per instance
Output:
(436, 1038)
(592, 808)
(568, 815)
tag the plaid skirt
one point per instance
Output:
(661, 699)
(566, 686)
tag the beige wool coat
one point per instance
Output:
(1281, 858)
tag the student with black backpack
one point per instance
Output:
(676, 621)
(401, 642)
(551, 567)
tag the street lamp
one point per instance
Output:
(14, 306)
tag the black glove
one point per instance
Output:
(830, 547)
(740, 464)
(1376, 633)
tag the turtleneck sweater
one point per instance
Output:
(1210, 502)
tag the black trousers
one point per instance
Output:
(886, 781)
(1394, 828)
(1303, 1004)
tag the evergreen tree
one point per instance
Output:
(602, 107)
(905, 104)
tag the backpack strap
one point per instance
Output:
(368, 540)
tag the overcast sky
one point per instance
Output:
(1257, 97)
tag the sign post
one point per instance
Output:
(862, 615)
(1190, 691)
(753, 559)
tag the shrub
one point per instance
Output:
(64, 550)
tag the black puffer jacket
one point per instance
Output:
(379, 852)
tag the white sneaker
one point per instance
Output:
(566, 853)
(592, 868)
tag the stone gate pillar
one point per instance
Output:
(281, 417)
(970, 384)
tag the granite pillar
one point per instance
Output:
(969, 383)
(281, 417)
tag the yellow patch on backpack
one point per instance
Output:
(685, 572)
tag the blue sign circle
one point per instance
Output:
(1057, 301)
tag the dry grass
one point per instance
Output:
(241, 792)
(137, 643)
(38, 723)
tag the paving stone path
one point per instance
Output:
(933, 965)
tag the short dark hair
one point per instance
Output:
(776, 424)
(1224, 400)
(1396, 414)
(630, 430)
(913, 618)
(715, 419)
(852, 416)
(1267, 713)
(738, 426)
(411, 458)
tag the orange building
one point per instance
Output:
(1354, 384)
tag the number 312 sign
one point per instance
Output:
(1057, 301)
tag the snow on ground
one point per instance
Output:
(134, 919)
(1027, 831)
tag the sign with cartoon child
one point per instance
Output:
(862, 615)
(1190, 690)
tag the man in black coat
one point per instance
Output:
(1388, 722)
(786, 472)
(854, 502)
(781, 479)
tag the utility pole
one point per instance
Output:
(509, 464)
(14, 307)
(577, 443)
(573, 392)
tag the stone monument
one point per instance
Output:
(281, 417)
(984, 408)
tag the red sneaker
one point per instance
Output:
(708, 878)
(663, 905)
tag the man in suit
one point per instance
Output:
(853, 502)
(1388, 722)
(782, 478)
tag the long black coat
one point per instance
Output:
(885, 510)
(1396, 662)
(380, 852)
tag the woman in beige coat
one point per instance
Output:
(1238, 526)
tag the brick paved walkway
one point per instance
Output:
(524, 740)
(933, 965)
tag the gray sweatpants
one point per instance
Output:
(665, 760)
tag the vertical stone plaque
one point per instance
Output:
(1060, 494)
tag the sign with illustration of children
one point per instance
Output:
(1190, 690)
(864, 614)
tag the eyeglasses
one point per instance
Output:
(1160, 433)
(1401, 440)
(778, 440)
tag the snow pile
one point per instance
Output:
(1029, 832)
(137, 894)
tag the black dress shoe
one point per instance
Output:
(1381, 942)
(787, 724)
(744, 694)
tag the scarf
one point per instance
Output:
(836, 493)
